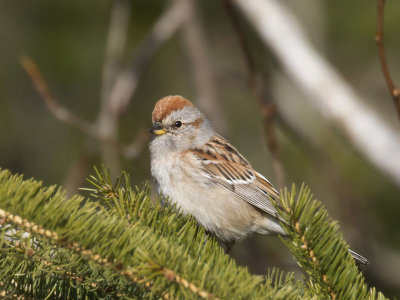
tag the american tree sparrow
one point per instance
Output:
(207, 177)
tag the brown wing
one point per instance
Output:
(222, 162)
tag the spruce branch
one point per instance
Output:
(319, 248)
(43, 259)
(131, 247)
(152, 251)
(49, 261)
(120, 244)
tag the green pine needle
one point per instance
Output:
(116, 244)
(319, 248)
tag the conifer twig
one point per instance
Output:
(318, 246)
(172, 276)
(130, 273)
(30, 252)
(6, 295)
(394, 92)
(52, 236)
(162, 251)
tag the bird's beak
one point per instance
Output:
(157, 129)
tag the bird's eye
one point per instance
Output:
(178, 124)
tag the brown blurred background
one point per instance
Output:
(81, 47)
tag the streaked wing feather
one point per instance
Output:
(228, 167)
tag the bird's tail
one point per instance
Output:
(270, 225)
(360, 260)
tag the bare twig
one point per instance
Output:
(107, 120)
(60, 112)
(198, 52)
(115, 45)
(264, 98)
(125, 85)
(394, 92)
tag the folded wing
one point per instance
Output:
(222, 162)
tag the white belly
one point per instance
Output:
(212, 205)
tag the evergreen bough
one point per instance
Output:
(118, 244)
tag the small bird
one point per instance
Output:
(207, 177)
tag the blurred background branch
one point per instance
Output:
(197, 48)
(80, 167)
(394, 92)
(64, 115)
(261, 92)
(59, 112)
(327, 90)
(165, 26)
(117, 89)
(107, 120)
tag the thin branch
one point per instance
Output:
(242, 41)
(264, 98)
(61, 113)
(115, 45)
(126, 83)
(172, 276)
(202, 72)
(394, 92)
(107, 121)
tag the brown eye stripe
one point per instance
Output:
(196, 123)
